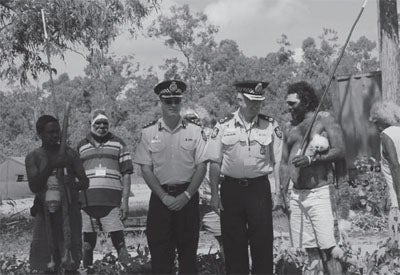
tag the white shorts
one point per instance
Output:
(318, 224)
(109, 223)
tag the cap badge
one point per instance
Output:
(173, 87)
(258, 88)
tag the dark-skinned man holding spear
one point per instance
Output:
(312, 159)
(57, 225)
(311, 217)
(52, 170)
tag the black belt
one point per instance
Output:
(245, 181)
(175, 188)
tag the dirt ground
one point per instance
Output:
(17, 242)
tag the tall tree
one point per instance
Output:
(70, 23)
(358, 58)
(389, 49)
(192, 36)
(318, 60)
(19, 110)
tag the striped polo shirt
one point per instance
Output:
(105, 163)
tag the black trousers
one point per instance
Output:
(247, 219)
(168, 231)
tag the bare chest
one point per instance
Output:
(296, 133)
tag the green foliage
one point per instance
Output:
(211, 263)
(289, 260)
(139, 264)
(358, 57)
(191, 35)
(16, 224)
(109, 264)
(383, 260)
(369, 191)
(111, 84)
(368, 197)
(12, 265)
(70, 23)
(15, 234)
(366, 222)
(125, 90)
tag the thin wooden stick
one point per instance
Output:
(306, 137)
(67, 260)
(49, 64)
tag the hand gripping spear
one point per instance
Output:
(67, 260)
(306, 137)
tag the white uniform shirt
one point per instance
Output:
(393, 133)
(172, 154)
(246, 151)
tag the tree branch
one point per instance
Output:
(5, 26)
(5, 4)
(75, 51)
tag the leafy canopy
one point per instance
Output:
(87, 24)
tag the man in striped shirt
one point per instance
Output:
(108, 166)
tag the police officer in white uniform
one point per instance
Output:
(245, 147)
(171, 156)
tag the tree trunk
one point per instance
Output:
(388, 30)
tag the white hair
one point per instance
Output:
(386, 112)
(189, 112)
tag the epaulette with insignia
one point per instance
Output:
(265, 117)
(150, 123)
(193, 121)
(225, 119)
(203, 135)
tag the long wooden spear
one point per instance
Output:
(304, 142)
(306, 137)
(47, 47)
(66, 260)
(49, 230)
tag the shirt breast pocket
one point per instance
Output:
(188, 144)
(157, 147)
(261, 147)
(187, 149)
(157, 151)
(229, 141)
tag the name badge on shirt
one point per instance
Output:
(100, 171)
(155, 139)
(249, 161)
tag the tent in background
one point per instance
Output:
(14, 185)
(13, 180)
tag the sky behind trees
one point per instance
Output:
(196, 52)
(254, 24)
